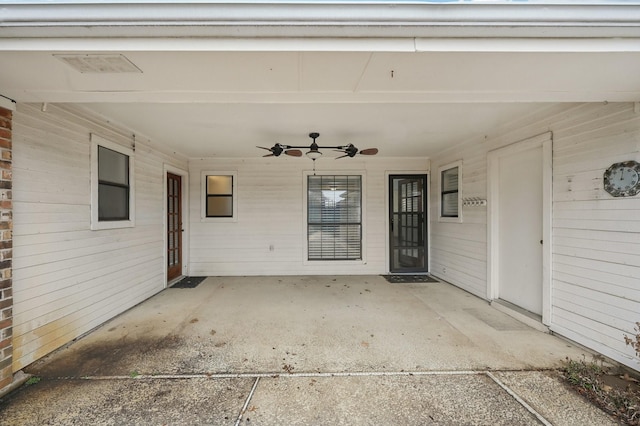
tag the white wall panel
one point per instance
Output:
(595, 291)
(68, 279)
(269, 236)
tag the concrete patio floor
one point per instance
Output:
(308, 351)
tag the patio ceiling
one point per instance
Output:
(221, 96)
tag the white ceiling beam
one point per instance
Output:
(173, 97)
(562, 45)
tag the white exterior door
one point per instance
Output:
(519, 222)
(520, 229)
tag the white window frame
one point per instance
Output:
(363, 219)
(444, 168)
(203, 195)
(97, 224)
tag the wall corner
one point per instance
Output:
(6, 250)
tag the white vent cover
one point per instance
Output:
(99, 64)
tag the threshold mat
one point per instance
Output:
(188, 282)
(399, 279)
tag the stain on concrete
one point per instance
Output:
(105, 358)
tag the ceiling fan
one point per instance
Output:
(314, 150)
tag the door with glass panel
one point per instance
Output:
(408, 223)
(174, 226)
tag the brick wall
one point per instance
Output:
(6, 249)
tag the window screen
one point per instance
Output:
(449, 192)
(334, 217)
(219, 196)
(113, 185)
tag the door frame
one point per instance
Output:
(387, 222)
(545, 141)
(184, 175)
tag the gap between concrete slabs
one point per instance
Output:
(258, 376)
(414, 397)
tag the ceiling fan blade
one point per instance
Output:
(342, 156)
(262, 147)
(268, 155)
(294, 152)
(369, 151)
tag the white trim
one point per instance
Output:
(387, 201)
(203, 195)
(7, 103)
(303, 19)
(321, 44)
(453, 165)
(545, 141)
(363, 218)
(185, 218)
(95, 223)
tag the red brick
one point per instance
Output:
(6, 381)
(6, 113)
(5, 123)
(5, 343)
(6, 323)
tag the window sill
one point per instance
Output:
(116, 224)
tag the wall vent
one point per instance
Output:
(99, 64)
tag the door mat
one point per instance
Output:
(188, 282)
(396, 279)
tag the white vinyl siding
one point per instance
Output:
(595, 296)
(67, 278)
(269, 237)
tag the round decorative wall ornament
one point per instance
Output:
(622, 179)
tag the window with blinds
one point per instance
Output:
(449, 192)
(334, 217)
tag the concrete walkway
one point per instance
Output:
(307, 351)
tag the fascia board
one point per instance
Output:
(258, 19)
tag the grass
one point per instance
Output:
(616, 394)
(33, 380)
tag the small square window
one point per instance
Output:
(112, 189)
(450, 194)
(219, 200)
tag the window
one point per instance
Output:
(450, 195)
(219, 196)
(113, 185)
(334, 217)
(112, 191)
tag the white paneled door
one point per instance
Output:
(519, 237)
(520, 229)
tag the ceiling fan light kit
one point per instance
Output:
(314, 150)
